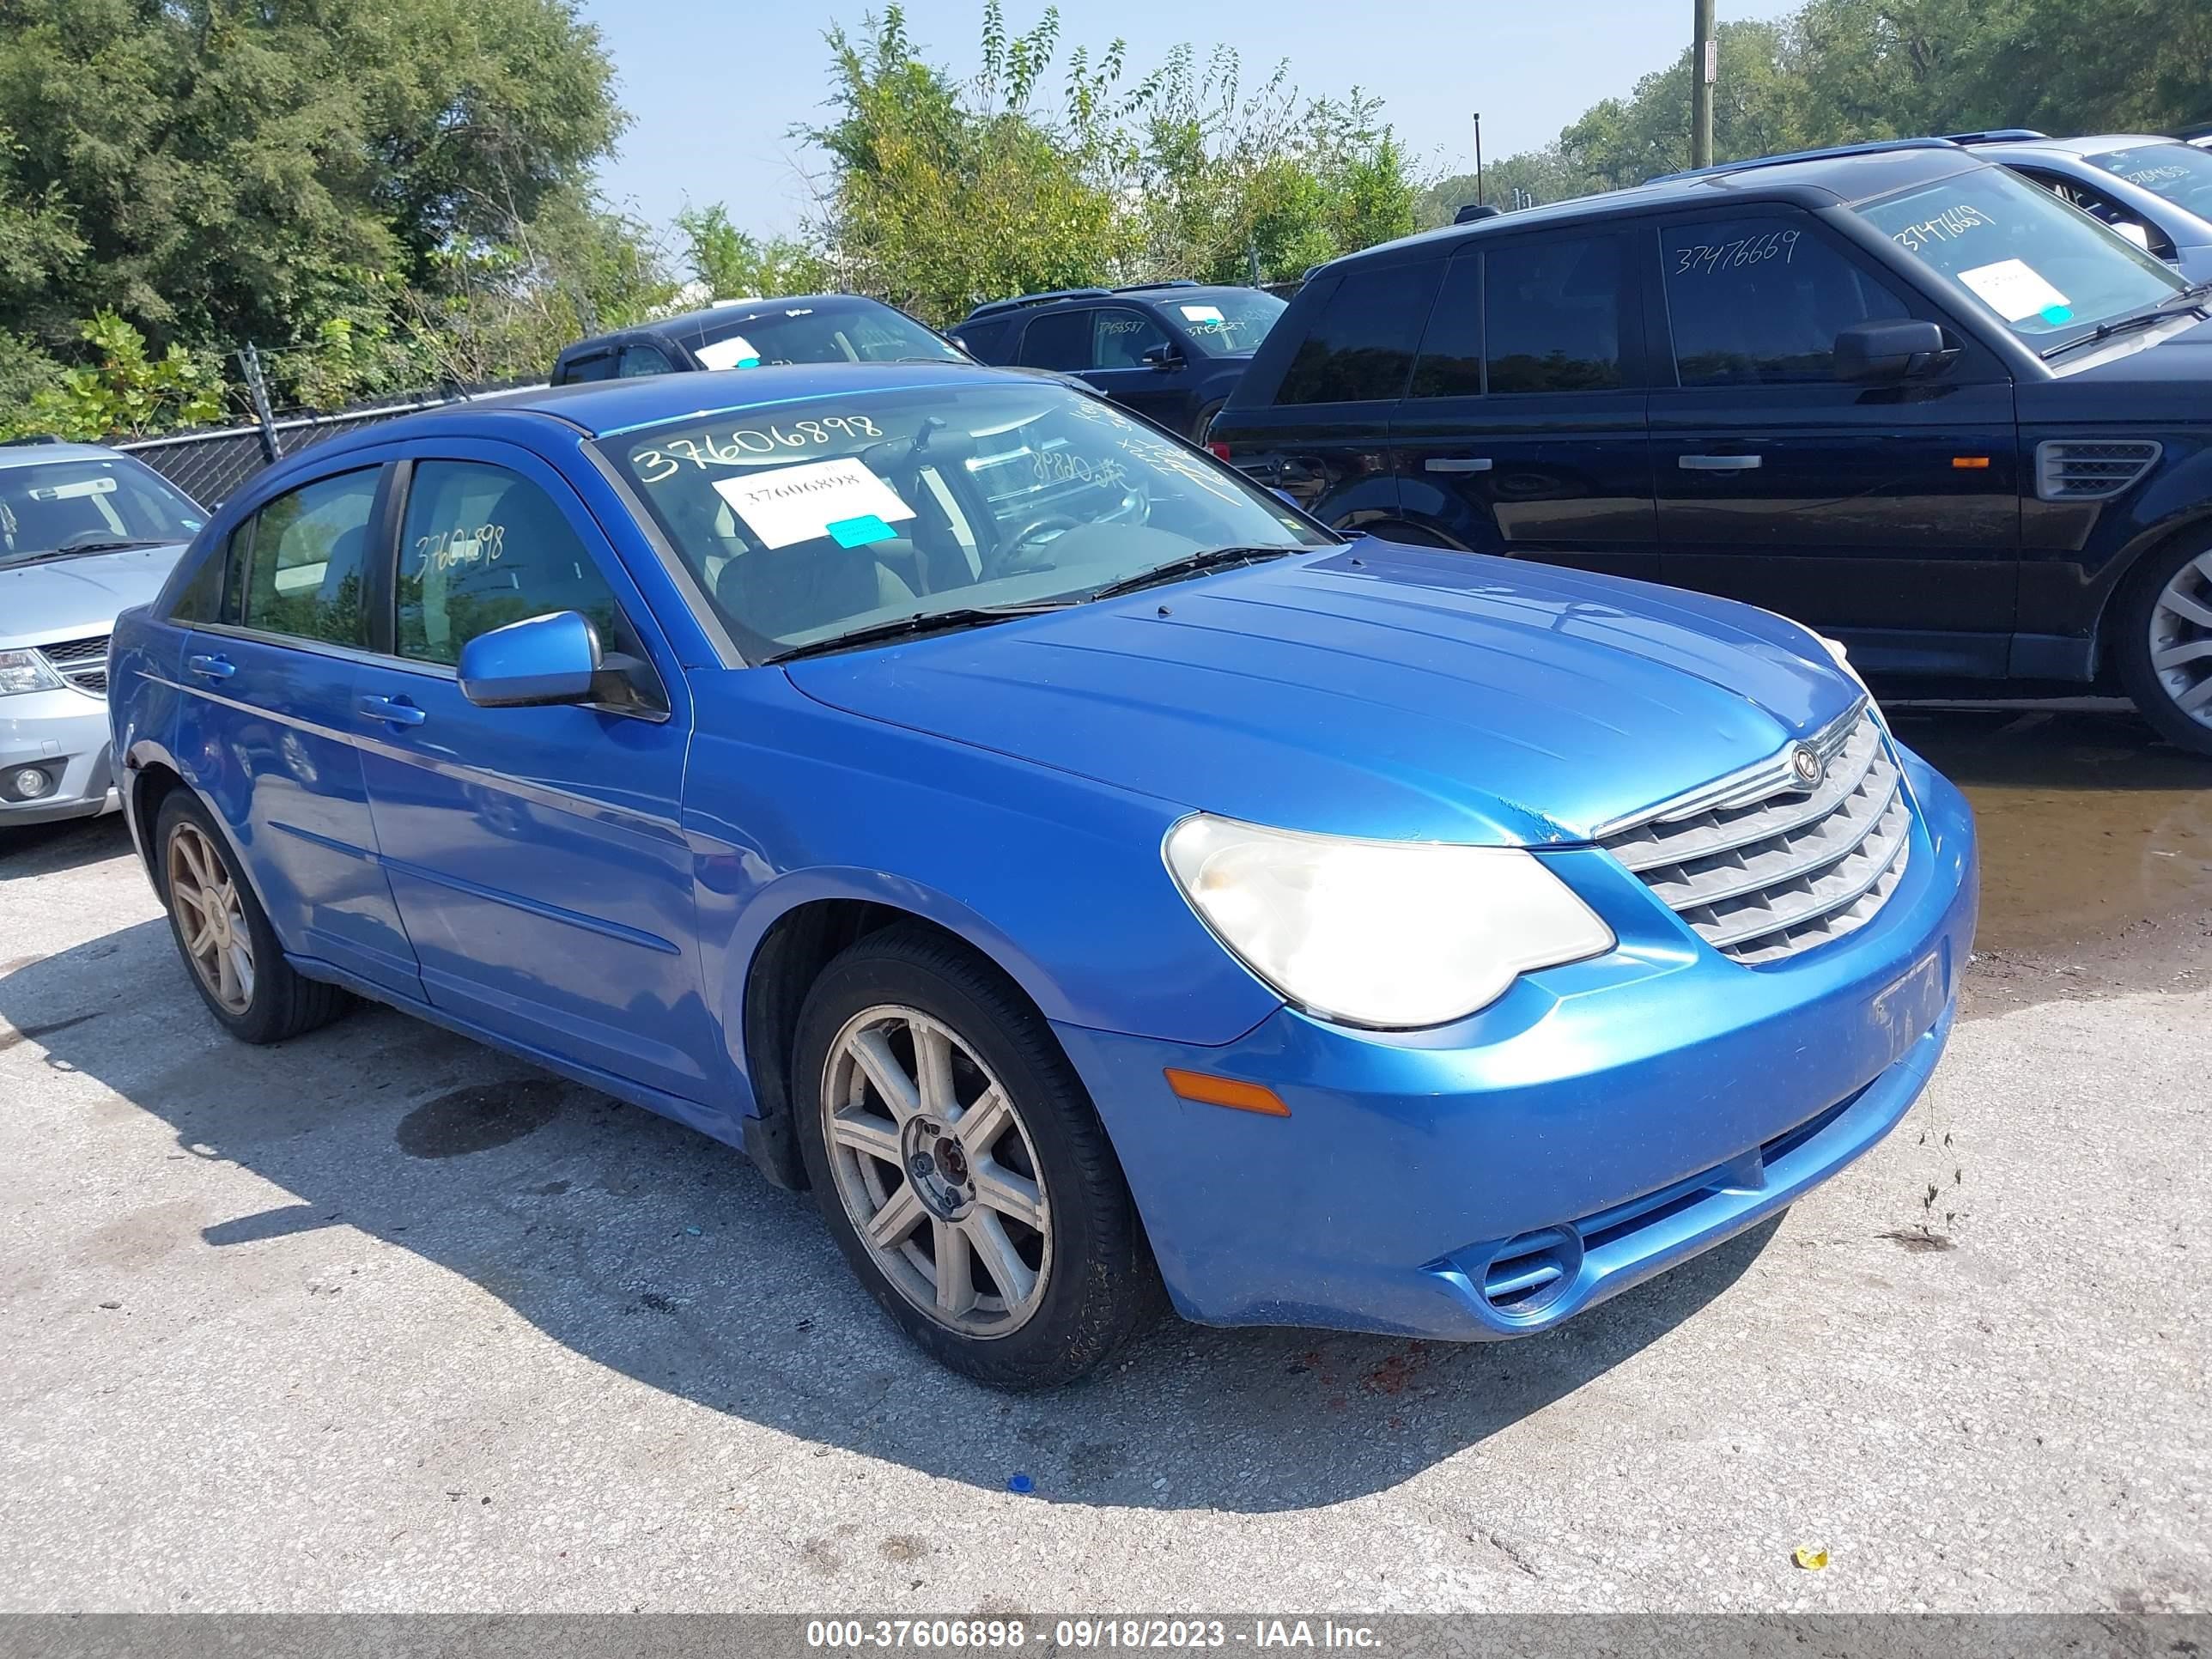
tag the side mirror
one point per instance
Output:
(1873, 353)
(1166, 355)
(545, 660)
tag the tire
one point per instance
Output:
(1066, 1286)
(254, 994)
(1204, 424)
(2165, 644)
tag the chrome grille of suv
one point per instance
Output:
(1761, 866)
(82, 663)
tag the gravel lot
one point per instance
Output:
(383, 1320)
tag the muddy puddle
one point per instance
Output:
(2096, 849)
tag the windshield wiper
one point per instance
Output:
(1176, 570)
(2193, 298)
(926, 621)
(53, 553)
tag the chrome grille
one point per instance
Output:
(2075, 470)
(1763, 867)
(82, 663)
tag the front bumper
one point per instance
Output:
(66, 734)
(1597, 1124)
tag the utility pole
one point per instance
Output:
(1479, 196)
(257, 391)
(1705, 69)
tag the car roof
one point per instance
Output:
(2092, 145)
(1816, 178)
(38, 451)
(1161, 292)
(685, 324)
(602, 408)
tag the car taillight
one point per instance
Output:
(1220, 452)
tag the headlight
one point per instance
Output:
(26, 671)
(1388, 934)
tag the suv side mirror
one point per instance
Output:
(1166, 355)
(1886, 351)
(552, 658)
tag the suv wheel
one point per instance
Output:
(956, 1159)
(236, 963)
(2166, 646)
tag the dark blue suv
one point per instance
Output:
(1171, 351)
(1895, 391)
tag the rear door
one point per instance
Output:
(1888, 515)
(1524, 432)
(535, 853)
(267, 727)
(1322, 434)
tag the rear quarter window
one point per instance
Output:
(1357, 344)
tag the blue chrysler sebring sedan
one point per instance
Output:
(1086, 874)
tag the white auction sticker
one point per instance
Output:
(2013, 289)
(735, 352)
(793, 504)
(1202, 314)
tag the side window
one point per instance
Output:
(1123, 337)
(1553, 315)
(1759, 301)
(2098, 205)
(304, 577)
(600, 365)
(1360, 348)
(1450, 360)
(638, 360)
(482, 547)
(1059, 340)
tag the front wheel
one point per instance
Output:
(2166, 646)
(956, 1158)
(237, 964)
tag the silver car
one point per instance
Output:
(2156, 191)
(85, 533)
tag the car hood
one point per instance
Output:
(73, 598)
(1374, 691)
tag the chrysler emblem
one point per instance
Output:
(1806, 764)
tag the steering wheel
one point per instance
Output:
(1016, 544)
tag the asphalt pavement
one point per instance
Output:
(380, 1319)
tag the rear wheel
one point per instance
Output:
(232, 953)
(2165, 646)
(1202, 427)
(956, 1159)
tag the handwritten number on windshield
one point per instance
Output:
(745, 444)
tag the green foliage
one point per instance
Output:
(129, 392)
(736, 265)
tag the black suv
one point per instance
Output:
(812, 328)
(1892, 390)
(1172, 351)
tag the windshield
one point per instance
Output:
(815, 333)
(2048, 271)
(89, 506)
(807, 521)
(1222, 320)
(2180, 172)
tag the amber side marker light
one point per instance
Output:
(1970, 463)
(1226, 1092)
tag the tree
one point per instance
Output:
(129, 391)
(734, 265)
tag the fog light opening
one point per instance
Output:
(30, 783)
(1529, 1274)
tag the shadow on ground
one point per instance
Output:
(661, 1254)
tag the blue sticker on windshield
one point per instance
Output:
(860, 531)
(2056, 314)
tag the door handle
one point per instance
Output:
(211, 668)
(1717, 462)
(392, 711)
(1457, 463)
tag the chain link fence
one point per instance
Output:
(209, 465)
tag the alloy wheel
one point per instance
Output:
(211, 919)
(937, 1171)
(2181, 639)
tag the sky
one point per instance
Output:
(713, 89)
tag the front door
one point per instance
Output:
(535, 854)
(1120, 336)
(1523, 432)
(1888, 515)
(266, 725)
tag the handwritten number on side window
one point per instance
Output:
(744, 444)
(1702, 260)
(448, 550)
